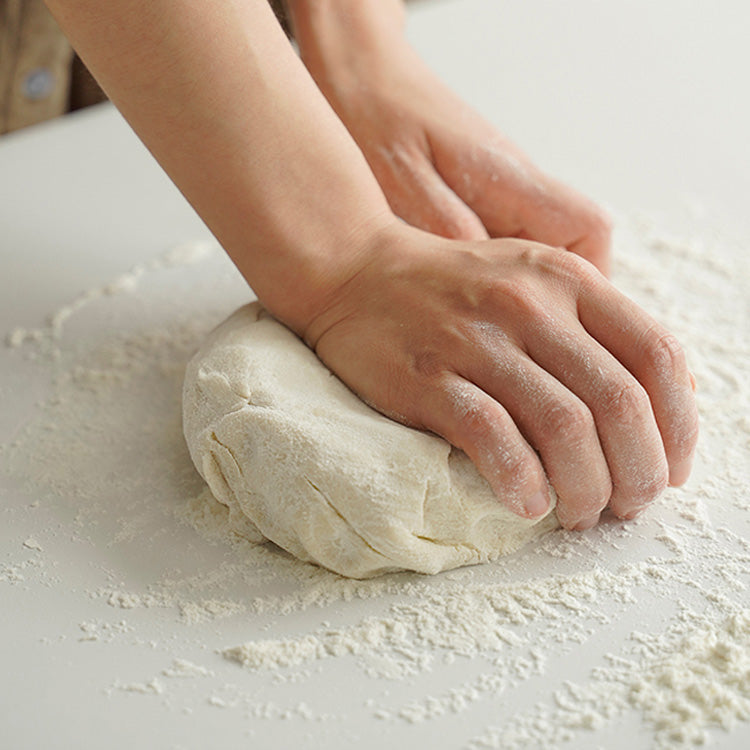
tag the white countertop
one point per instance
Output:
(103, 585)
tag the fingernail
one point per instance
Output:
(587, 523)
(537, 504)
(693, 384)
(679, 473)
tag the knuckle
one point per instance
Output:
(568, 421)
(474, 423)
(522, 300)
(466, 415)
(524, 304)
(573, 269)
(625, 401)
(428, 365)
(664, 353)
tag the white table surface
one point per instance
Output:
(643, 105)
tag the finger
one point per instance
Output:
(474, 422)
(557, 215)
(621, 408)
(657, 360)
(558, 425)
(421, 198)
(513, 198)
(595, 244)
(560, 216)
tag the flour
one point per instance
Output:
(694, 676)
(45, 338)
(658, 606)
(185, 669)
(153, 686)
(700, 679)
(103, 631)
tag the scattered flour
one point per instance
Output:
(659, 606)
(152, 687)
(46, 337)
(700, 678)
(692, 677)
(103, 631)
(183, 668)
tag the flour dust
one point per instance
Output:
(641, 626)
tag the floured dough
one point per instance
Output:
(300, 460)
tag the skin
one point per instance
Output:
(442, 166)
(514, 350)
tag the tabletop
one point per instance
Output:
(132, 617)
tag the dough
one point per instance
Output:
(300, 460)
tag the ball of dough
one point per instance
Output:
(299, 459)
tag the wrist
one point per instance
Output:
(308, 269)
(344, 43)
(382, 254)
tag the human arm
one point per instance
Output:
(509, 349)
(217, 94)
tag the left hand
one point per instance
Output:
(442, 166)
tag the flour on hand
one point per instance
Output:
(288, 447)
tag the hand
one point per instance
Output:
(524, 357)
(442, 166)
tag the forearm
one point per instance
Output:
(219, 97)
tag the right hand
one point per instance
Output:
(524, 357)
